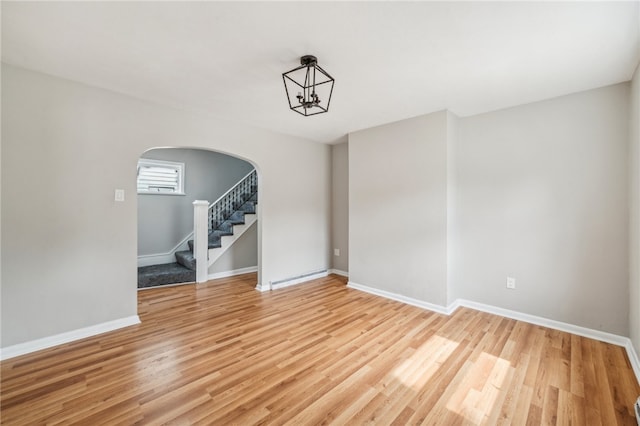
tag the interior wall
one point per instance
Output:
(634, 210)
(165, 220)
(340, 206)
(242, 254)
(398, 207)
(542, 197)
(68, 247)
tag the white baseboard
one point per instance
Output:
(262, 287)
(232, 273)
(339, 272)
(602, 336)
(633, 358)
(399, 298)
(69, 336)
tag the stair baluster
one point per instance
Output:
(221, 210)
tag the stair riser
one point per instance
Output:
(186, 259)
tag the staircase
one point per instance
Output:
(236, 217)
(228, 218)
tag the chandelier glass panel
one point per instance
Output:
(308, 87)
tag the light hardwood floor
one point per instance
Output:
(224, 353)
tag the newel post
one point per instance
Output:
(200, 239)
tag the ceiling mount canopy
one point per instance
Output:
(308, 87)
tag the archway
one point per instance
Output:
(169, 180)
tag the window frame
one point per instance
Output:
(148, 162)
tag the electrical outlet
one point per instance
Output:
(511, 283)
(336, 252)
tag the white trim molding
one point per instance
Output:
(400, 298)
(602, 336)
(262, 287)
(633, 358)
(69, 336)
(225, 274)
(339, 272)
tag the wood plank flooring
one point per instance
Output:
(317, 353)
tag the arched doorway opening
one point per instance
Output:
(169, 180)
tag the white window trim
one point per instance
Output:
(160, 163)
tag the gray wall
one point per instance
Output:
(634, 211)
(443, 208)
(398, 207)
(165, 220)
(69, 251)
(340, 206)
(542, 196)
(242, 254)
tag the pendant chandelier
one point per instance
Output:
(308, 87)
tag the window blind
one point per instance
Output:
(159, 177)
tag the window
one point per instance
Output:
(160, 177)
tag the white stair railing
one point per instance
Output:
(201, 239)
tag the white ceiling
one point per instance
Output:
(391, 60)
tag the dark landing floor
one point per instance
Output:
(170, 273)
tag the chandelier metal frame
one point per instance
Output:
(309, 78)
